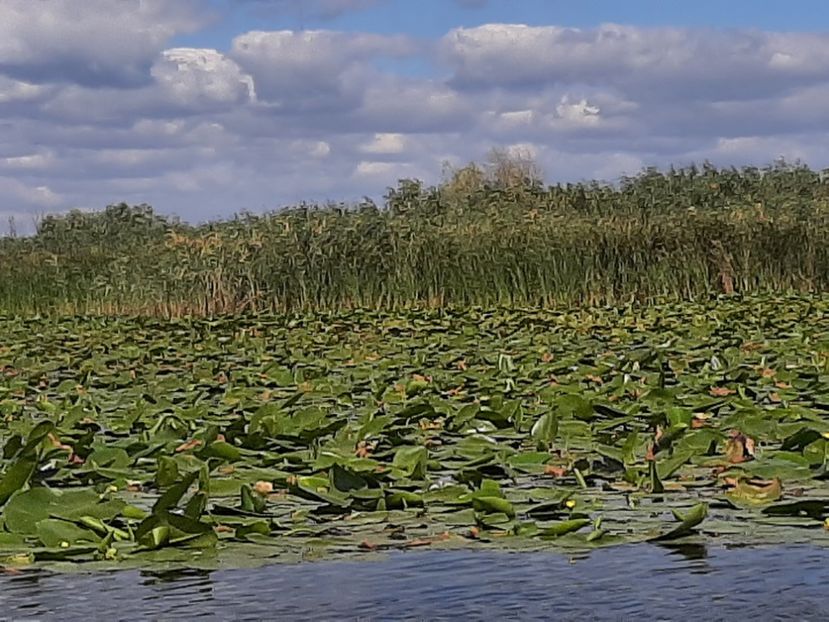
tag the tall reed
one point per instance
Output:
(677, 234)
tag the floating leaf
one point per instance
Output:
(755, 492)
(58, 533)
(545, 430)
(411, 461)
(563, 527)
(16, 476)
(739, 448)
(167, 472)
(492, 505)
(687, 523)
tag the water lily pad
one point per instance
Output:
(755, 492)
(687, 523)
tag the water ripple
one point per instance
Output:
(623, 583)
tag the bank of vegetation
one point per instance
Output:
(486, 236)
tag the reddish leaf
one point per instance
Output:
(263, 488)
(188, 445)
(721, 391)
(739, 448)
(555, 471)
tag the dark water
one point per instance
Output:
(640, 582)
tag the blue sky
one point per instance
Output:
(432, 18)
(203, 108)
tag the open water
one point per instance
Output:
(636, 582)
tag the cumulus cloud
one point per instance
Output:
(190, 75)
(385, 143)
(182, 82)
(580, 112)
(671, 62)
(91, 114)
(414, 106)
(315, 69)
(368, 168)
(95, 43)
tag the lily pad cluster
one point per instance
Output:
(196, 442)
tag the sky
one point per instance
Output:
(206, 108)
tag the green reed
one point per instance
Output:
(678, 234)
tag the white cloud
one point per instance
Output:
(320, 149)
(27, 162)
(287, 115)
(183, 82)
(675, 63)
(523, 150)
(315, 69)
(514, 118)
(93, 42)
(189, 75)
(385, 143)
(414, 106)
(13, 91)
(386, 174)
(579, 112)
(374, 168)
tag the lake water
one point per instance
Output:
(642, 582)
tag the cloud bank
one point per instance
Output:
(99, 104)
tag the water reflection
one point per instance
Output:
(155, 577)
(179, 591)
(690, 551)
(664, 582)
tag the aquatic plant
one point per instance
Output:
(202, 442)
(681, 234)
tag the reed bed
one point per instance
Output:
(677, 234)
